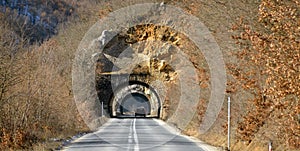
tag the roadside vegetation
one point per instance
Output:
(269, 69)
(36, 100)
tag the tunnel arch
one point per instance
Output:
(135, 88)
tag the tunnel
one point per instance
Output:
(135, 104)
(134, 99)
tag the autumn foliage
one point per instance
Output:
(36, 102)
(269, 69)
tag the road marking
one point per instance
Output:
(132, 131)
(176, 131)
(130, 136)
(136, 140)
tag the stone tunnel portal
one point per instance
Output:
(134, 98)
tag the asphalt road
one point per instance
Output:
(133, 134)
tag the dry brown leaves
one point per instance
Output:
(269, 67)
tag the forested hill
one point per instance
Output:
(36, 20)
(259, 40)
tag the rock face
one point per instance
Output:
(143, 59)
(158, 57)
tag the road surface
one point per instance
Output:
(136, 134)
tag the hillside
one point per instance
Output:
(259, 40)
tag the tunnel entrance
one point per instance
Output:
(134, 99)
(135, 104)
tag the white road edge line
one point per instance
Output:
(100, 129)
(199, 143)
(136, 140)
